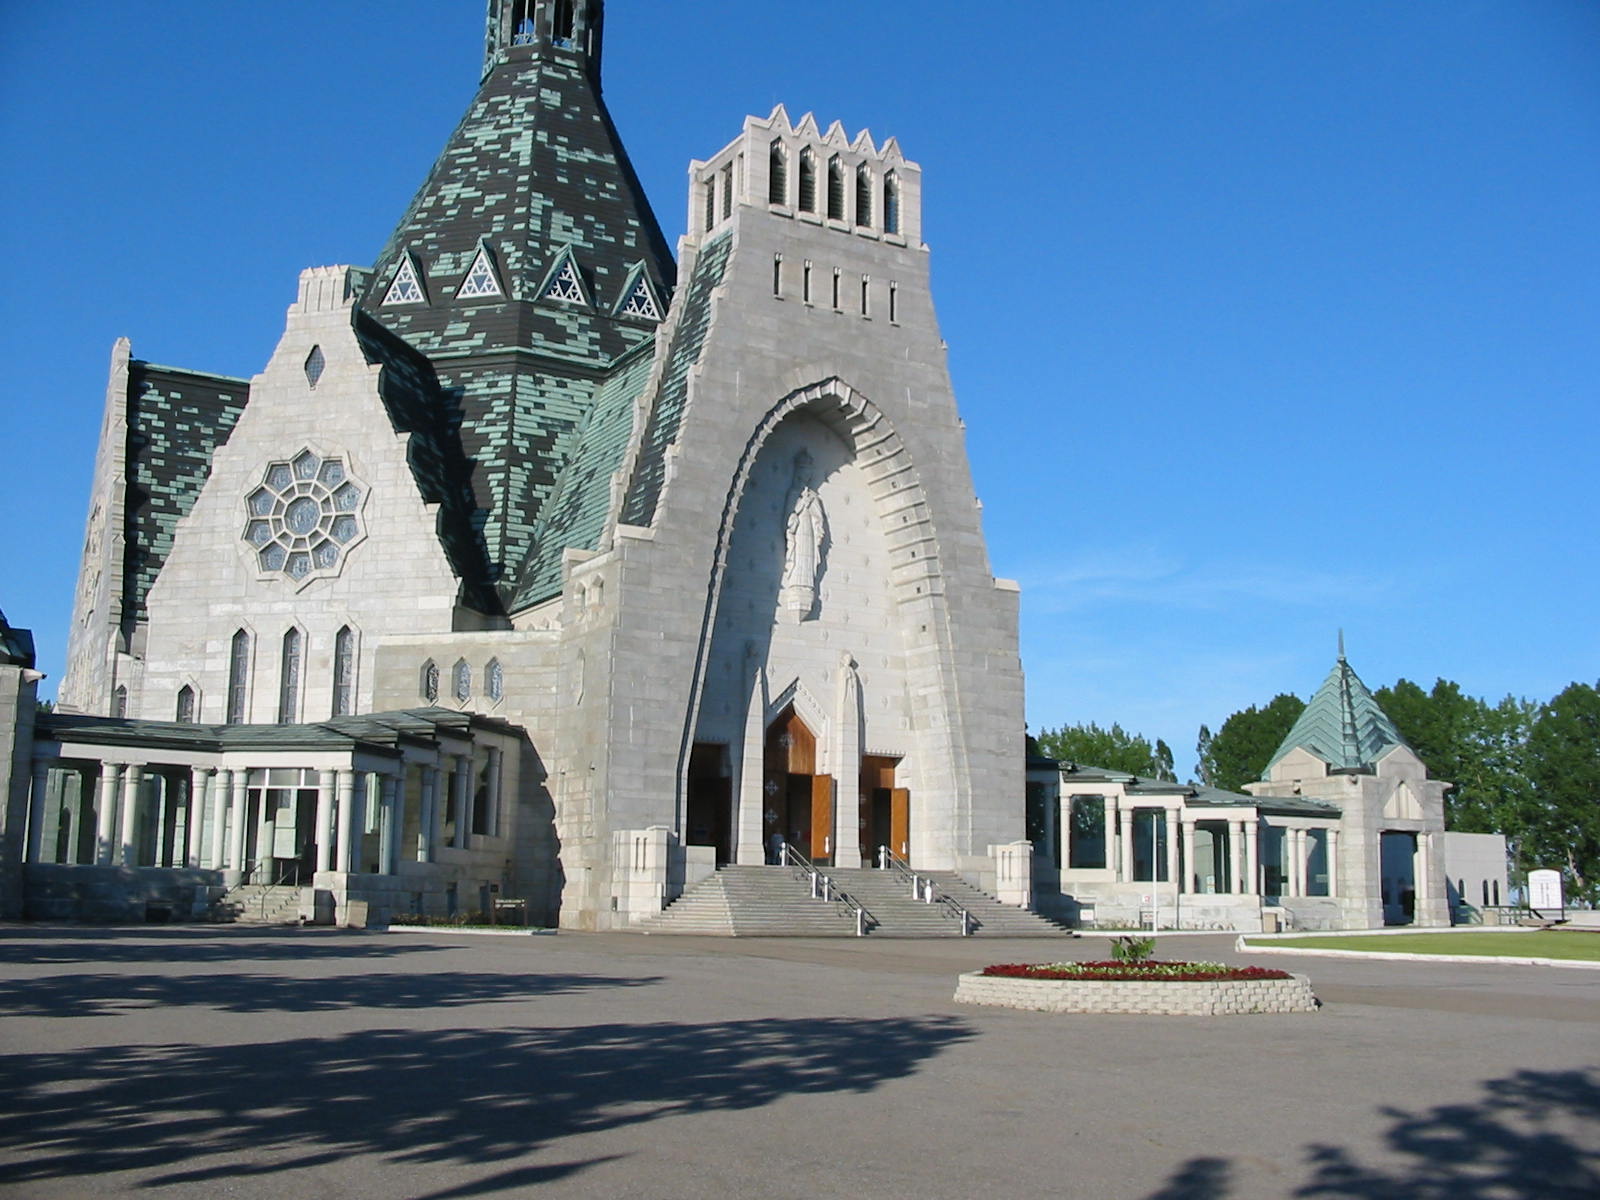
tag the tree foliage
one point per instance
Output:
(1564, 767)
(1114, 749)
(1240, 749)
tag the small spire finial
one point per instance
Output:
(1341, 645)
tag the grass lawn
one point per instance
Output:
(1544, 943)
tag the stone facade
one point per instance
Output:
(714, 552)
(1223, 997)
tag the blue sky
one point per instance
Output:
(1266, 317)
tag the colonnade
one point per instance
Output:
(201, 814)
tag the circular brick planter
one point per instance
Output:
(1158, 997)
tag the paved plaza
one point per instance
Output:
(199, 1062)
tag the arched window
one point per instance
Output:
(430, 682)
(238, 677)
(289, 678)
(562, 28)
(494, 680)
(461, 681)
(185, 705)
(835, 190)
(119, 701)
(344, 672)
(863, 195)
(778, 175)
(808, 181)
(891, 203)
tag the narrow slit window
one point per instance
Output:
(808, 181)
(727, 191)
(805, 282)
(778, 175)
(711, 204)
(494, 680)
(119, 701)
(863, 196)
(894, 303)
(563, 23)
(430, 682)
(461, 681)
(289, 678)
(837, 276)
(891, 203)
(866, 295)
(344, 672)
(835, 190)
(777, 274)
(238, 677)
(185, 705)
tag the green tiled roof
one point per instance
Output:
(1342, 725)
(688, 336)
(575, 516)
(176, 421)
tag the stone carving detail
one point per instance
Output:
(805, 540)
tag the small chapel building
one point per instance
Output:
(540, 562)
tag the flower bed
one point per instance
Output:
(1176, 972)
(1151, 988)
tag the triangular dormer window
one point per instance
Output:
(565, 285)
(641, 301)
(406, 287)
(481, 280)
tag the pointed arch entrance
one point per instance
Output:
(797, 802)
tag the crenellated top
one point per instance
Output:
(569, 30)
(800, 171)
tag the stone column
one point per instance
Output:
(1251, 877)
(461, 788)
(344, 850)
(132, 784)
(326, 782)
(221, 788)
(199, 778)
(496, 763)
(240, 805)
(1332, 843)
(1125, 835)
(106, 820)
(847, 767)
(1302, 863)
(1190, 882)
(750, 800)
(1108, 827)
(165, 811)
(1170, 815)
(38, 803)
(428, 818)
(388, 835)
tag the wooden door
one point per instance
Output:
(822, 818)
(900, 822)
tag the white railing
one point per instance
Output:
(926, 890)
(822, 887)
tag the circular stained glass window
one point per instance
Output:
(304, 516)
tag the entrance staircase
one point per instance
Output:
(258, 904)
(776, 902)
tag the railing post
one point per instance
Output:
(861, 922)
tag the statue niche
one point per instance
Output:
(805, 540)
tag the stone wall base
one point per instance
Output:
(1155, 998)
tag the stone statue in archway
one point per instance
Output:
(805, 535)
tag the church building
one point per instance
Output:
(540, 563)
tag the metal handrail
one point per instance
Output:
(926, 890)
(248, 873)
(822, 886)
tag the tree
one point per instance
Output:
(1114, 749)
(1240, 749)
(1481, 750)
(1564, 766)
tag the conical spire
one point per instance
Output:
(1343, 725)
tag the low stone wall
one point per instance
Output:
(59, 892)
(1154, 998)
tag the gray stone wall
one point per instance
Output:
(1160, 998)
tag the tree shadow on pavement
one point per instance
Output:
(1535, 1134)
(106, 995)
(478, 1099)
(197, 943)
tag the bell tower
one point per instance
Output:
(563, 30)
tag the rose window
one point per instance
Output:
(304, 516)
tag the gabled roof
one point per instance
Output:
(1342, 725)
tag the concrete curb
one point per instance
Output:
(456, 931)
(1405, 956)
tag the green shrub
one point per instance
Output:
(1132, 950)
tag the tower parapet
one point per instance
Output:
(822, 178)
(566, 30)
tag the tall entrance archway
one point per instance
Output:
(884, 813)
(797, 803)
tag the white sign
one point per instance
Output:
(1146, 898)
(1544, 890)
